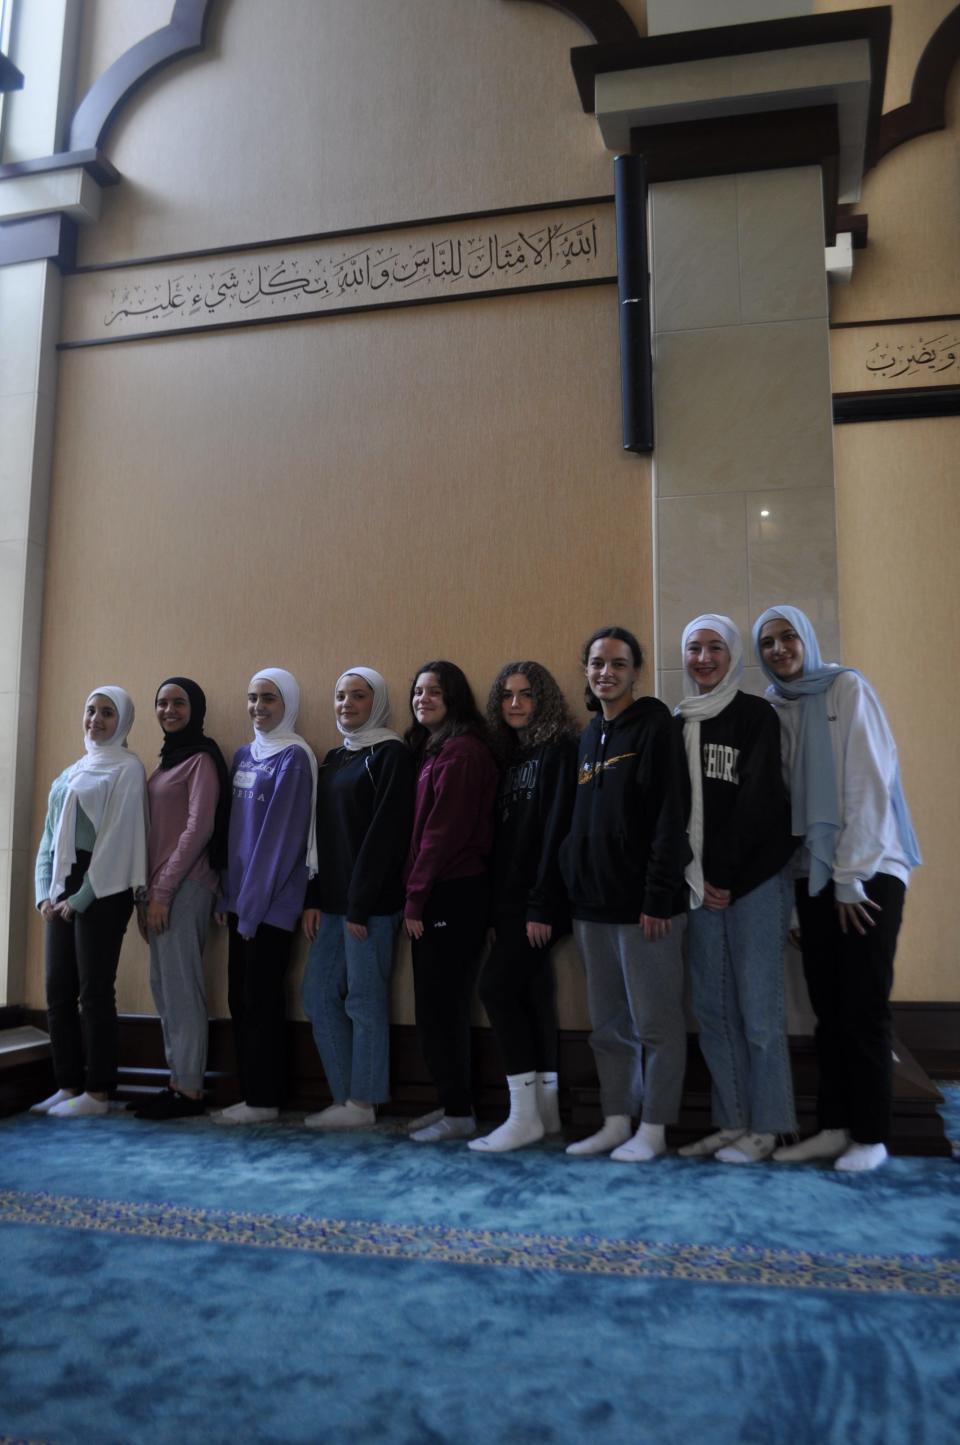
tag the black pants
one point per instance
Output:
(518, 991)
(256, 995)
(445, 964)
(849, 977)
(81, 970)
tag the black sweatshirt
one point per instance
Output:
(534, 805)
(627, 847)
(746, 808)
(364, 821)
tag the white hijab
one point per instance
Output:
(694, 707)
(283, 736)
(109, 784)
(375, 729)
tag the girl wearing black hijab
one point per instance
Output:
(189, 805)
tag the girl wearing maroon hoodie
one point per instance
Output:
(445, 915)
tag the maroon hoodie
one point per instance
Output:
(453, 818)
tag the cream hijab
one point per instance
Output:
(375, 729)
(109, 784)
(283, 736)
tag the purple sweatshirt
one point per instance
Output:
(266, 875)
(453, 819)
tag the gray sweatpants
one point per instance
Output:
(639, 1038)
(177, 984)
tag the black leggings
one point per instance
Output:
(445, 964)
(518, 991)
(256, 974)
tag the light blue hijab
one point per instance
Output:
(814, 795)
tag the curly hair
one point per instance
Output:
(463, 715)
(619, 634)
(551, 721)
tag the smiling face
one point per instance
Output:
(100, 719)
(781, 648)
(172, 708)
(353, 702)
(265, 705)
(428, 704)
(706, 658)
(611, 674)
(517, 704)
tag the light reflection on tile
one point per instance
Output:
(792, 556)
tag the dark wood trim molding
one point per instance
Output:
(10, 76)
(40, 238)
(605, 20)
(908, 404)
(110, 92)
(893, 320)
(926, 110)
(856, 222)
(94, 162)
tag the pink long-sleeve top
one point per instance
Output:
(183, 801)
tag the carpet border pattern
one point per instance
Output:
(586, 1254)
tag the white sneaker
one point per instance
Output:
(706, 1148)
(446, 1128)
(859, 1158)
(424, 1121)
(244, 1113)
(80, 1106)
(828, 1144)
(343, 1116)
(45, 1105)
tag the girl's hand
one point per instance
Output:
(716, 899)
(47, 911)
(413, 927)
(158, 916)
(64, 911)
(310, 923)
(539, 934)
(654, 928)
(855, 915)
(358, 931)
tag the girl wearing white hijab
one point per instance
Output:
(93, 855)
(740, 838)
(858, 852)
(271, 854)
(364, 820)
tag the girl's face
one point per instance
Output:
(100, 719)
(265, 705)
(517, 705)
(353, 703)
(781, 648)
(611, 674)
(172, 708)
(707, 658)
(429, 707)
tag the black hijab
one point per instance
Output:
(178, 747)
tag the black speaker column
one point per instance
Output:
(636, 371)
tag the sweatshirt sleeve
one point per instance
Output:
(203, 793)
(461, 789)
(43, 872)
(869, 757)
(760, 803)
(281, 843)
(387, 840)
(664, 797)
(546, 900)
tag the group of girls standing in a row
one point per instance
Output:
(470, 825)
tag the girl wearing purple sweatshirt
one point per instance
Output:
(187, 846)
(445, 914)
(271, 854)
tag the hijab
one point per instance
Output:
(693, 708)
(108, 784)
(283, 736)
(178, 747)
(375, 729)
(814, 795)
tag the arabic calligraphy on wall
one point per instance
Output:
(896, 355)
(567, 246)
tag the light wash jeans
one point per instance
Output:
(736, 969)
(346, 996)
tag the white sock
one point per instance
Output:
(858, 1158)
(616, 1130)
(244, 1113)
(649, 1142)
(523, 1126)
(447, 1127)
(548, 1102)
(424, 1121)
(343, 1116)
(828, 1144)
(79, 1106)
(705, 1148)
(749, 1149)
(45, 1105)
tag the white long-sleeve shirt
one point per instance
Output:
(865, 762)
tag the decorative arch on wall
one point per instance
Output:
(926, 109)
(109, 93)
(605, 20)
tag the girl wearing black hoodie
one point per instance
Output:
(623, 865)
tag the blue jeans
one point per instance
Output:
(736, 969)
(346, 996)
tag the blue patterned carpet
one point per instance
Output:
(187, 1284)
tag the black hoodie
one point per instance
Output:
(627, 847)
